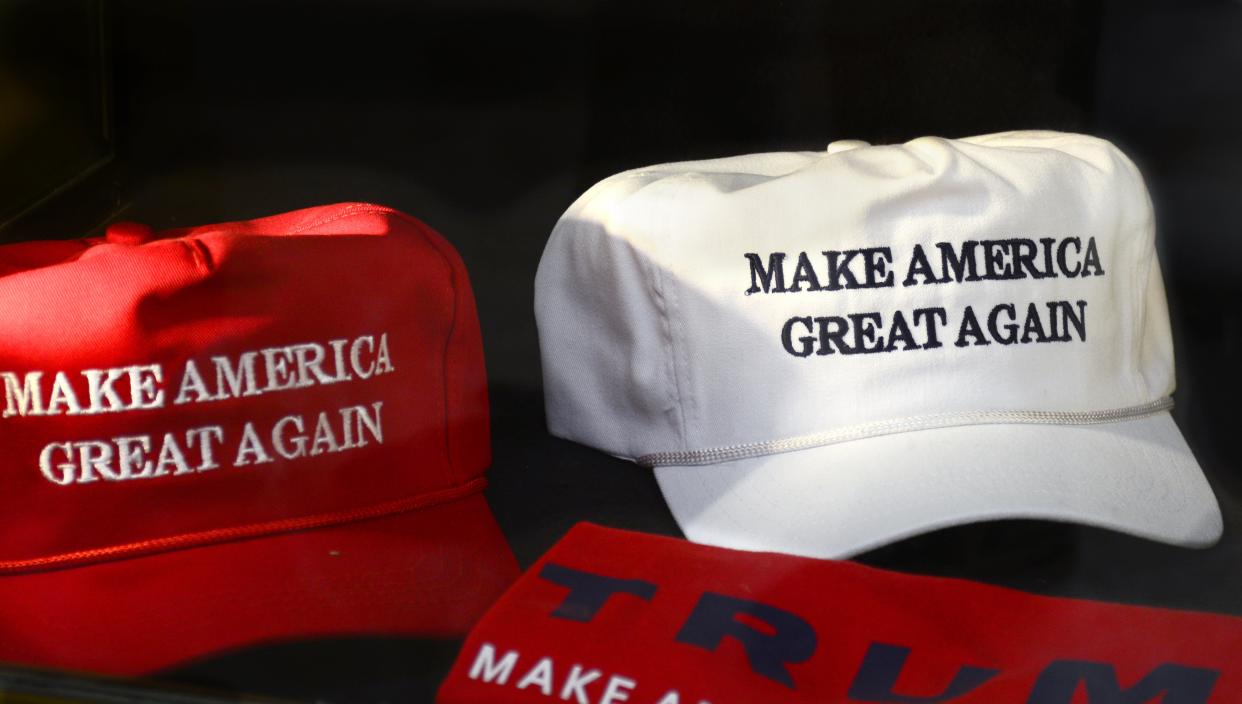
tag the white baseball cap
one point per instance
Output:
(823, 352)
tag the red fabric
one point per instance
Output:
(429, 572)
(128, 570)
(876, 636)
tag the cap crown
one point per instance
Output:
(232, 380)
(758, 299)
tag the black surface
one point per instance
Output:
(486, 119)
(55, 86)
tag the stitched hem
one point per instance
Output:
(729, 453)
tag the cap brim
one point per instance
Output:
(430, 572)
(1136, 476)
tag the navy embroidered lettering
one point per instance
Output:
(775, 273)
(881, 669)
(806, 343)
(1169, 683)
(785, 638)
(805, 273)
(850, 333)
(588, 592)
(1091, 260)
(1010, 335)
(970, 328)
(1033, 329)
(834, 335)
(874, 332)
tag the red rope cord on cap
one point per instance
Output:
(254, 530)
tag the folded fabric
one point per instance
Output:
(610, 616)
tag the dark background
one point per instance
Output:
(487, 118)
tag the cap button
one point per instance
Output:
(844, 145)
(130, 233)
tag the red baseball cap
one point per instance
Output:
(240, 433)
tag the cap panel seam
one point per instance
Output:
(455, 471)
(664, 303)
(372, 209)
(369, 209)
(681, 361)
(346, 212)
(1142, 275)
(1143, 309)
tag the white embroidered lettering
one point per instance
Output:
(347, 427)
(144, 385)
(103, 398)
(383, 364)
(202, 437)
(310, 365)
(299, 441)
(192, 383)
(59, 473)
(618, 690)
(486, 668)
(24, 399)
(325, 440)
(141, 386)
(338, 360)
(371, 423)
(94, 455)
(279, 376)
(355, 357)
(233, 382)
(132, 454)
(171, 455)
(576, 682)
(63, 395)
(674, 697)
(251, 448)
(539, 676)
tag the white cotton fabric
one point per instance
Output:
(840, 500)
(651, 344)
